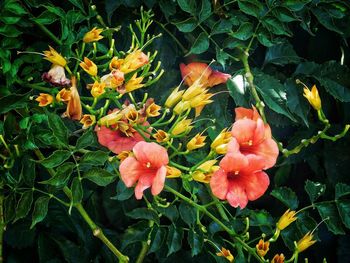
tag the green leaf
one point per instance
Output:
(86, 140)
(314, 190)
(28, 171)
(275, 26)
(94, 158)
(62, 175)
(144, 213)
(100, 176)
(341, 190)
(344, 211)
(282, 174)
(281, 54)
(157, 239)
(329, 213)
(15, 8)
(9, 208)
(188, 214)
(296, 5)
(45, 18)
(221, 26)
(187, 25)
(244, 32)
(286, 196)
(56, 158)
(9, 31)
(188, 6)
(40, 210)
(205, 12)
(251, 7)
(174, 239)
(221, 56)
(323, 16)
(284, 14)
(170, 212)
(201, 44)
(77, 190)
(265, 37)
(196, 242)
(24, 205)
(13, 101)
(123, 192)
(78, 3)
(237, 90)
(58, 128)
(273, 93)
(296, 103)
(10, 20)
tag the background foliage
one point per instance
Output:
(286, 40)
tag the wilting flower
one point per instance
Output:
(182, 126)
(174, 97)
(89, 67)
(74, 109)
(202, 72)
(286, 219)
(278, 259)
(196, 142)
(205, 171)
(225, 253)
(161, 136)
(254, 137)
(153, 110)
(88, 120)
(93, 35)
(44, 99)
(219, 145)
(262, 247)
(98, 89)
(240, 177)
(111, 119)
(63, 95)
(132, 115)
(131, 62)
(56, 76)
(313, 97)
(147, 168)
(305, 242)
(172, 172)
(54, 57)
(113, 79)
(133, 84)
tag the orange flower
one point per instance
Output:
(88, 120)
(153, 110)
(203, 73)
(44, 99)
(89, 67)
(93, 35)
(278, 259)
(225, 253)
(98, 89)
(74, 109)
(161, 136)
(63, 95)
(262, 247)
(54, 57)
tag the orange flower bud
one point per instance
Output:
(132, 115)
(88, 120)
(225, 253)
(93, 35)
(98, 89)
(63, 95)
(262, 247)
(74, 109)
(54, 57)
(44, 99)
(153, 110)
(278, 259)
(161, 136)
(113, 79)
(89, 67)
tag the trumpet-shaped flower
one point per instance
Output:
(153, 110)
(93, 35)
(74, 109)
(161, 136)
(201, 72)
(88, 120)
(89, 67)
(63, 95)
(305, 242)
(54, 57)
(286, 219)
(262, 247)
(240, 177)
(196, 142)
(56, 76)
(44, 99)
(174, 97)
(313, 97)
(147, 169)
(172, 172)
(98, 89)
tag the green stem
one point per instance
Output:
(143, 252)
(49, 33)
(179, 166)
(183, 49)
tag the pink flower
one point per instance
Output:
(254, 137)
(208, 77)
(239, 178)
(147, 168)
(56, 76)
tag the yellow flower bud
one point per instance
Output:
(63, 95)
(196, 142)
(93, 35)
(44, 99)
(88, 120)
(182, 126)
(205, 171)
(134, 83)
(262, 247)
(305, 242)
(132, 115)
(195, 89)
(313, 97)
(225, 253)
(172, 172)
(89, 67)
(201, 100)
(98, 89)
(223, 138)
(54, 57)
(161, 136)
(153, 110)
(286, 219)
(181, 107)
(174, 98)
(133, 61)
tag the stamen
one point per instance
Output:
(236, 172)
(148, 164)
(250, 143)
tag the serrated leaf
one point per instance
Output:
(341, 190)
(251, 7)
(62, 175)
(123, 192)
(45, 18)
(286, 196)
(329, 213)
(201, 44)
(144, 213)
(275, 26)
(281, 54)
(296, 103)
(13, 101)
(344, 211)
(77, 190)
(169, 212)
(188, 6)
(221, 26)
(24, 205)
(40, 210)
(86, 140)
(58, 128)
(296, 5)
(187, 25)
(55, 159)
(196, 242)
(244, 32)
(188, 214)
(94, 158)
(205, 12)
(157, 240)
(314, 190)
(174, 240)
(100, 176)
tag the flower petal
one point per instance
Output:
(268, 150)
(139, 190)
(151, 152)
(217, 77)
(243, 130)
(158, 181)
(255, 184)
(130, 171)
(244, 113)
(219, 184)
(233, 146)
(236, 195)
(233, 162)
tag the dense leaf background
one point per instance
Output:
(305, 39)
